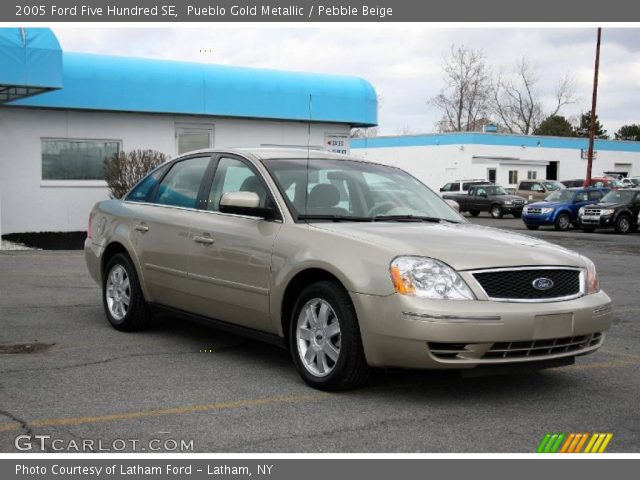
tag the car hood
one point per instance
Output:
(547, 204)
(605, 205)
(508, 197)
(463, 246)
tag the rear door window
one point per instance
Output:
(180, 187)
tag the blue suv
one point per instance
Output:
(560, 208)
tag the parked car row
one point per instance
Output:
(588, 209)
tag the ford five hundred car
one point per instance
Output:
(350, 265)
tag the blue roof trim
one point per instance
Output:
(30, 58)
(496, 139)
(99, 82)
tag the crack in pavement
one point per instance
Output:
(23, 424)
(111, 359)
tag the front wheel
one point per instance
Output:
(496, 211)
(623, 225)
(324, 338)
(563, 222)
(122, 298)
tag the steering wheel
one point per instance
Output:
(380, 207)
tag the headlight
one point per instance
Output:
(428, 278)
(607, 211)
(591, 277)
(546, 210)
(581, 211)
(508, 202)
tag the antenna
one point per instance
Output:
(306, 190)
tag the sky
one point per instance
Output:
(402, 62)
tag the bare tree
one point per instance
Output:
(124, 169)
(517, 102)
(464, 99)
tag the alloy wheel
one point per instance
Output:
(118, 292)
(318, 337)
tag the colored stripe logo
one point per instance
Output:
(574, 443)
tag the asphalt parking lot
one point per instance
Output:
(181, 381)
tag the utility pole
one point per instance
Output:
(592, 124)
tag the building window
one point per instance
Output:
(532, 175)
(66, 159)
(189, 138)
(513, 177)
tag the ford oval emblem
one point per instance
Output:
(542, 283)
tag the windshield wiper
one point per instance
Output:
(335, 218)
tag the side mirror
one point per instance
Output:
(244, 203)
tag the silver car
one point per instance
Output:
(350, 265)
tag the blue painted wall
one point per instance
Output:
(465, 138)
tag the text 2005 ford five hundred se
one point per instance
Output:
(351, 265)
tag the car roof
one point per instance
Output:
(276, 153)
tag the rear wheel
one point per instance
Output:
(563, 222)
(533, 227)
(623, 224)
(122, 298)
(474, 213)
(325, 339)
(496, 211)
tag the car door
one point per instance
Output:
(160, 231)
(230, 255)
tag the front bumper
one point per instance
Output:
(541, 219)
(601, 221)
(401, 331)
(512, 208)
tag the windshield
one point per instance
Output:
(553, 186)
(495, 191)
(328, 189)
(618, 196)
(561, 196)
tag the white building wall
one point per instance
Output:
(439, 164)
(29, 204)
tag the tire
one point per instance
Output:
(120, 280)
(533, 227)
(349, 368)
(563, 222)
(623, 225)
(474, 213)
(496, 211)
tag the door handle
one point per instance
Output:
(203, 239)
(141, 227)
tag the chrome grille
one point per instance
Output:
(521, 350)
(518, 284)
(592, 212)
(534, 211)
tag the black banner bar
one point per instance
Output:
(318, 11)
